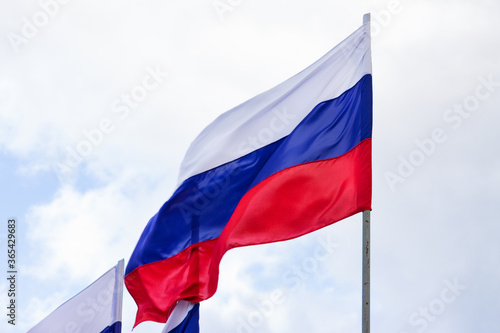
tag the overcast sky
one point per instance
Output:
(83, 167)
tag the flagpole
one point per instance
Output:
(366, 272)
(365, 328)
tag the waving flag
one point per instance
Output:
(287, 162)
(96, 309)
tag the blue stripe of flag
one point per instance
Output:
(190, 324)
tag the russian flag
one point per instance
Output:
(185, 318)
(287, 162)
(96, 309)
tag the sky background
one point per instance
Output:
(436, 161)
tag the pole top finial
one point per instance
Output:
(366, 18)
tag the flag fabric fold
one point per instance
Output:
(96, 309)
(287, 162)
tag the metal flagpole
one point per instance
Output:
(366, 272)
(365, 328)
